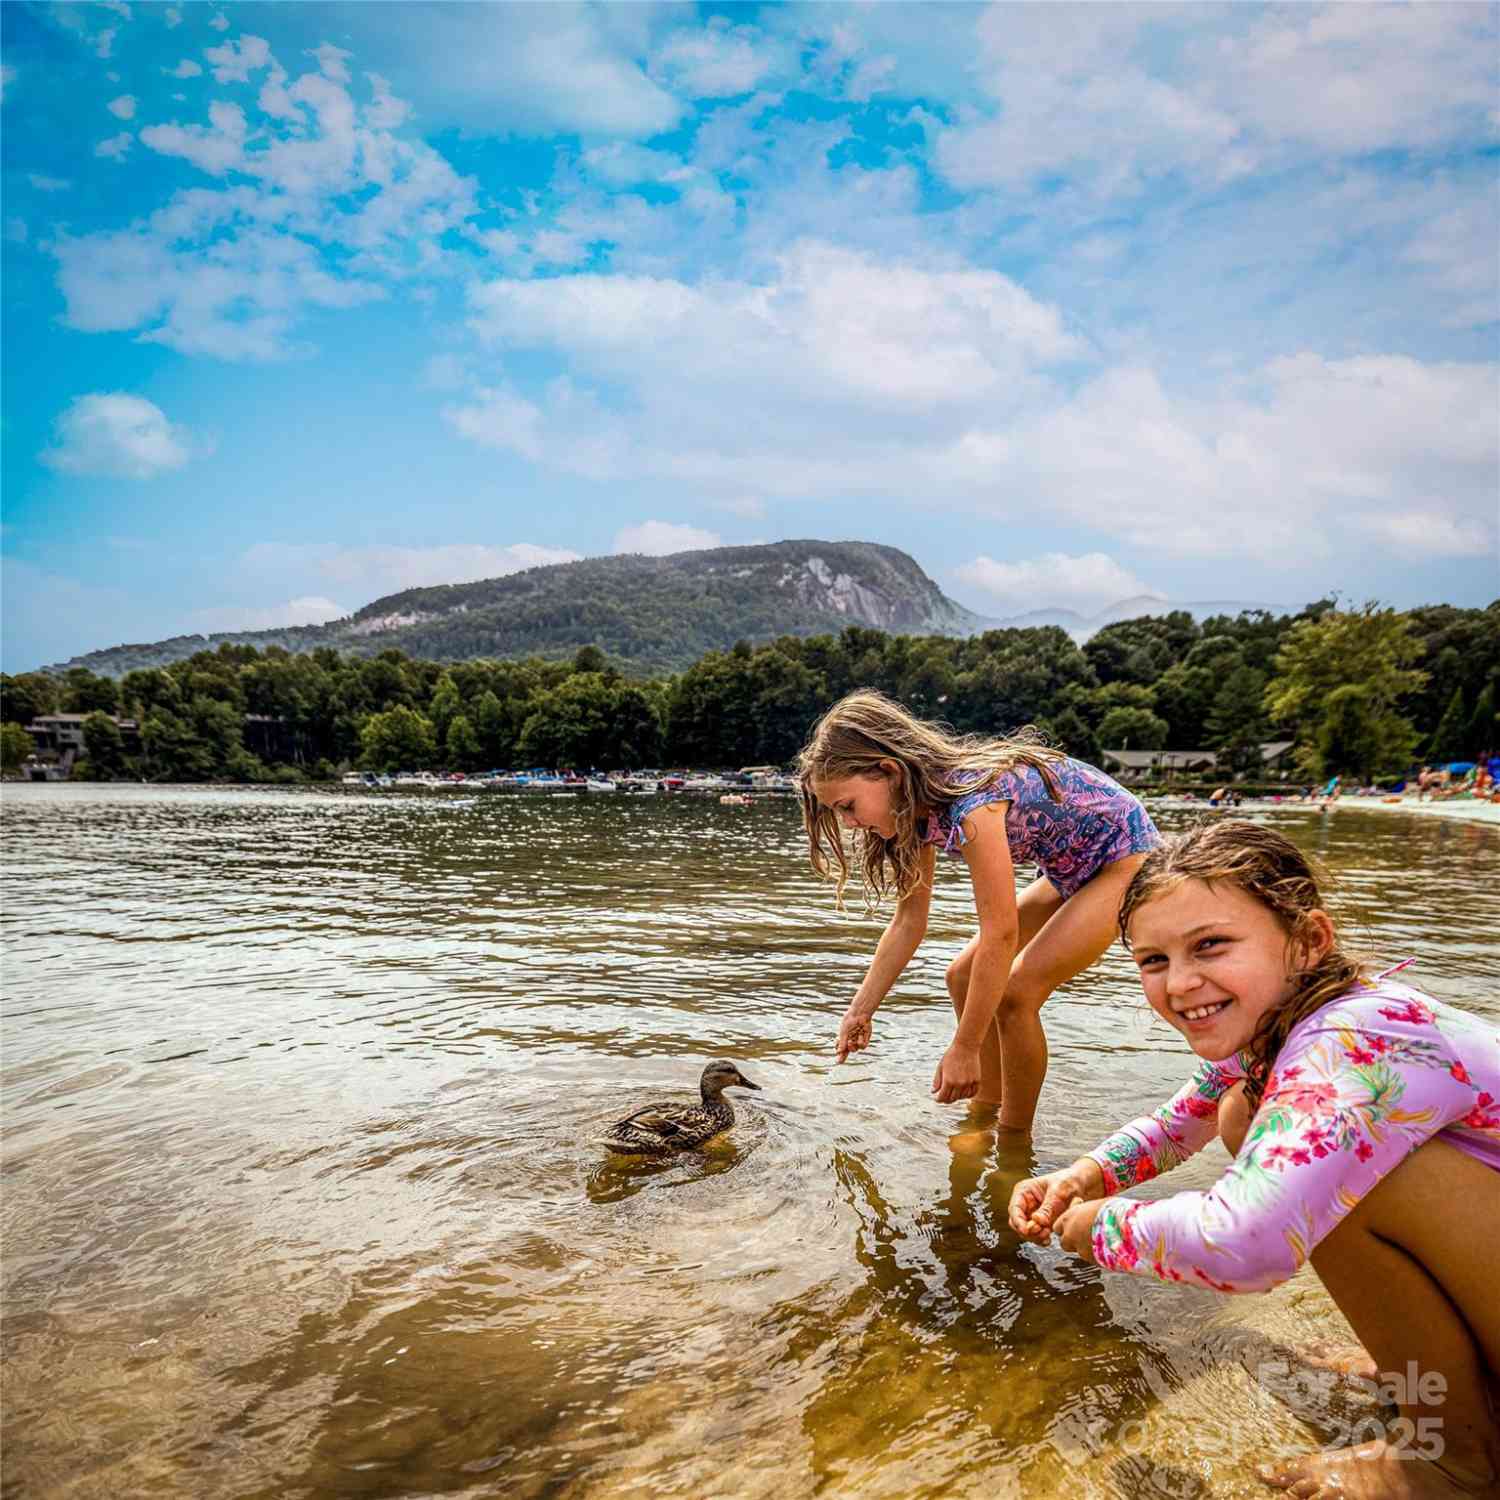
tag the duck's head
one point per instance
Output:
(721, 1075)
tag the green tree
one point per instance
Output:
(590, 722)
(1237, 720)
(493, 726)
(462, 744)
(105, 747)
(445, 706)
(15, 746)
(1068, 732)
(27, 697)
(1483, 732)
(1368, 651)
(1450, 738)
(400, 739)
(172, 751)
(1132, 729)
(83, 692)
(1355, 738)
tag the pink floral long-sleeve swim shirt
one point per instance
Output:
(1358, 1086)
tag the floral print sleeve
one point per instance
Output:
(1164, 1139)
(1357, 1088)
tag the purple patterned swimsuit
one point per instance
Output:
(1095, 823)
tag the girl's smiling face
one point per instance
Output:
(1214, 960)
(862, 801)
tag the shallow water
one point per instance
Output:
(299, 1198)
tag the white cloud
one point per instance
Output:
(623, 163)
(220, 23)
(118, 435)
(370, 572)
(1215, 95)
(119, 7)
(236, 60)
(122, 108)
(214, 148)
(104, 43)
(172, 16)
(310, 610)
(116, 146)
(534, 69)
(332, 212)
(44, 184)
(7, 77)
(715, 61)
(746, 507)
(187, 68)
(843, 376)
(332, 61)
(662, 538)
(1055, 580)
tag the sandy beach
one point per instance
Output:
(1466, 811)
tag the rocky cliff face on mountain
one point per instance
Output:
(649, 613)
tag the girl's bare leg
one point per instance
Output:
(1072, 939)
(1034, 906)
(1412, 1268)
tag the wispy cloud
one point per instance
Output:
(310, 610)
(662, 538)
(364, 573)
(1085, 583)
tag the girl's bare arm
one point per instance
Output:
(900, 940)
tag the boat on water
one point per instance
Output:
(601, 784)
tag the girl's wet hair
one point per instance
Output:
(1274, 871)
(935, 766)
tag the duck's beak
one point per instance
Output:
(745, 1083)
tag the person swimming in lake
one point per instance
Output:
(1363, 1118)
(912, 788)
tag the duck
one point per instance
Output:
(674, 1124)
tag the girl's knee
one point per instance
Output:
(957, 979)
(1021, 998)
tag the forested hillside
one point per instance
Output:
(645, 613)
(1360, 691)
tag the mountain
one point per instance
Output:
(650, 613)
(1081, 627)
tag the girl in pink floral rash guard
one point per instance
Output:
(1363, 1118)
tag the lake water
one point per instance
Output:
(300, 1200)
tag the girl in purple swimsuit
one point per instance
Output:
(1363, 1118)
(913, 788)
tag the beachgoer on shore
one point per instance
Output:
(1364, 1121)
(912, 788)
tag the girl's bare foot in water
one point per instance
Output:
(1353, 1360)
(1378, 1471)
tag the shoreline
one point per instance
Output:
(1467, 811)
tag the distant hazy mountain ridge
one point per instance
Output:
(649, 612)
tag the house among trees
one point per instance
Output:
(59, 742)
(1146, 765)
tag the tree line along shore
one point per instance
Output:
(1366, 692)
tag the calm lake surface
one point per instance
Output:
(300, 1197)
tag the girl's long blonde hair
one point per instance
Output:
(934, 768)
(1269, 867)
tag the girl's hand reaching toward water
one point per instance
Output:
(1038, 1204)
(957, 1076)
(854, 1033)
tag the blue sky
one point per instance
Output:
(308, 303)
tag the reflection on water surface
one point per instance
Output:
(300, 1200)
